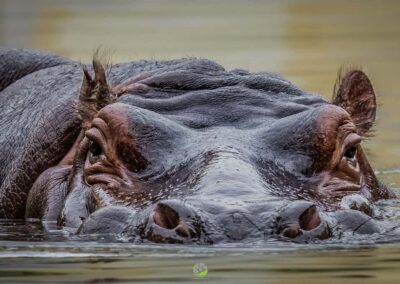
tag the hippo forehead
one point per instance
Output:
(200, 94)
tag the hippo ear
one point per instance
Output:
(97, 89)
(94, 93)
(354, 93)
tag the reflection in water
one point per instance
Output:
(306, 41)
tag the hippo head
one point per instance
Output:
(199, 154)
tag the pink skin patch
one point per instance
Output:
(310, 219)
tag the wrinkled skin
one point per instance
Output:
(183, 151)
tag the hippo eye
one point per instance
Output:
(350, 153)
(95, 151)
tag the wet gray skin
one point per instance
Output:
(183, 151)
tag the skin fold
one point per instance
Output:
(183, 151)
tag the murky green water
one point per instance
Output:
(110, 263)
(306, 41)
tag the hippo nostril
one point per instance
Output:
(291, 232)
(184, 230)
(165, 217)
(301, 220)
(310, 219)
(172, 221)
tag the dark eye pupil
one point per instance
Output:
(95, 149)
(351, 153)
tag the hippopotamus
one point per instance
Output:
(183, 151)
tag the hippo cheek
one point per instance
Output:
(355, 221)
(108, 220)
(173, 222)
(300, 221)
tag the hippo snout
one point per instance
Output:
(169, 221)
